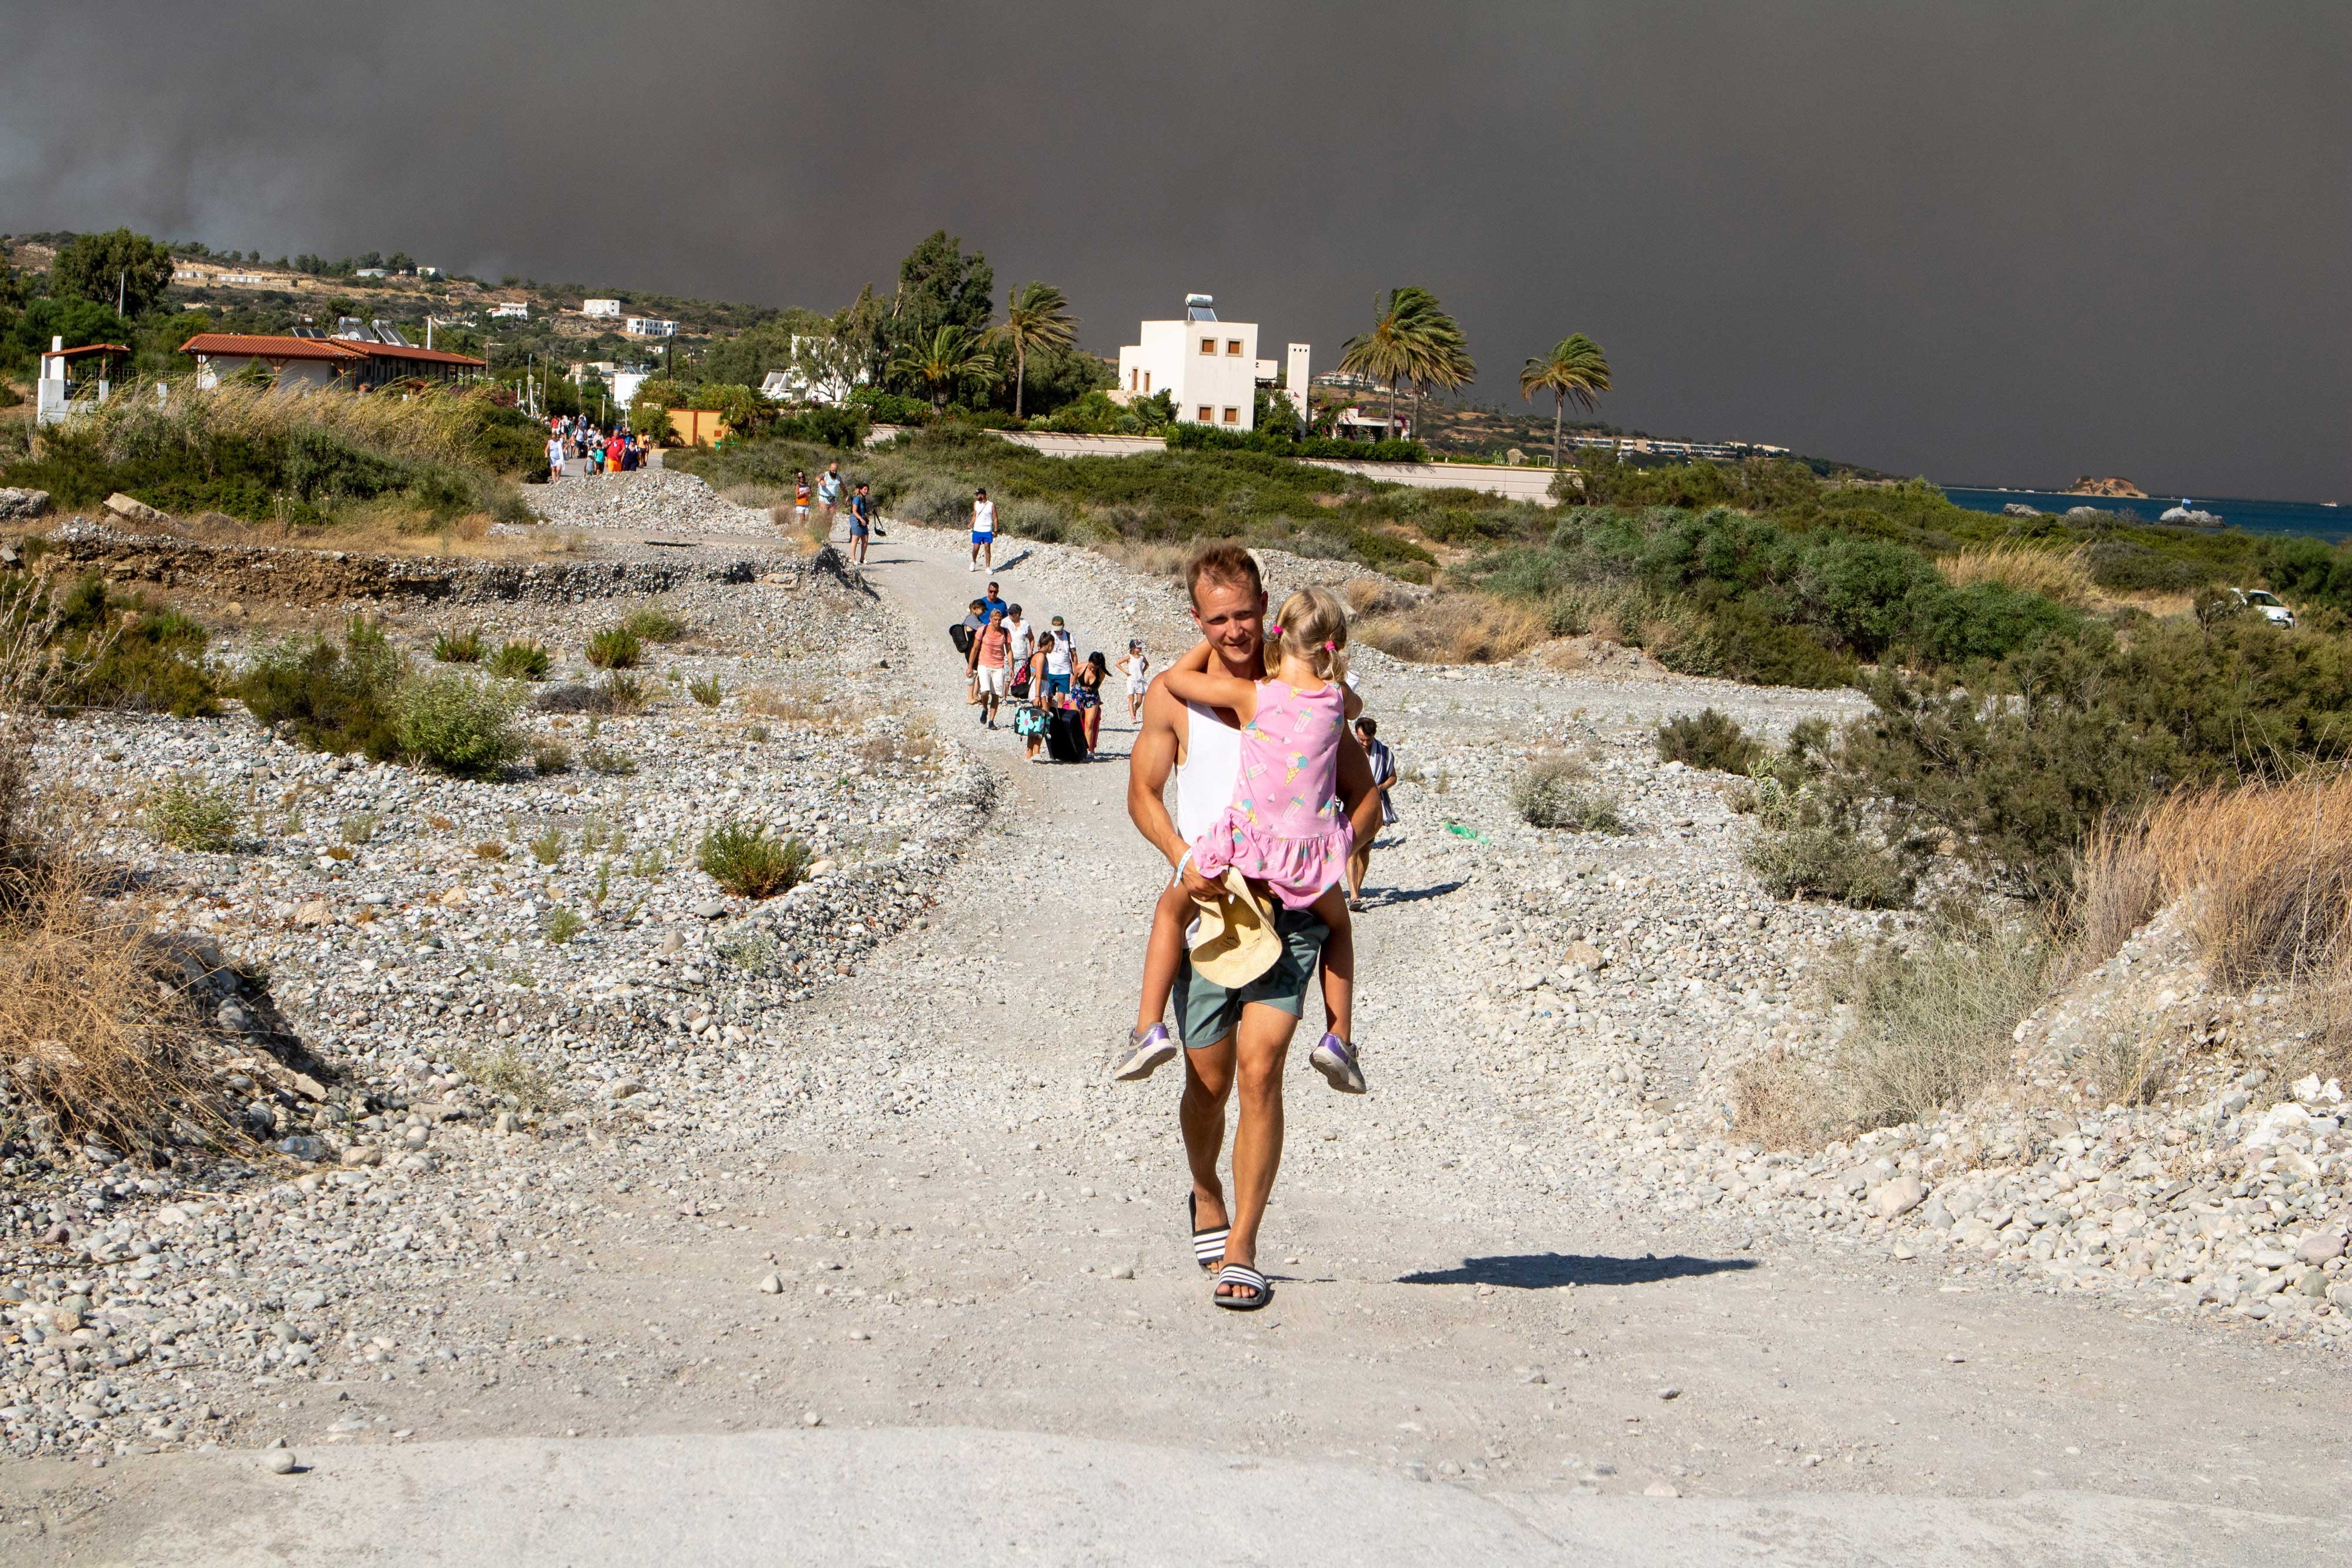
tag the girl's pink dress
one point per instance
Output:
(1285, 827)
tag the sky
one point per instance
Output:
(1990, 244)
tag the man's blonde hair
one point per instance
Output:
(1225, 561)
(1315, 629)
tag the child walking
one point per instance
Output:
(1285, 830)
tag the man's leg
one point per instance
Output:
(1208, 1083)
(1259, 1049)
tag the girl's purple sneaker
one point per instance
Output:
(1146, 1051)
(1335, 1059)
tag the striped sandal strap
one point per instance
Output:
(1261, 1289)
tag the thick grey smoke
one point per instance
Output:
(1988, 243)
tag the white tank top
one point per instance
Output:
(1204, 779)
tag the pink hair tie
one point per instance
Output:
(1275, 629)
(1329, 646)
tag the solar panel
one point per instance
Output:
(385, 333)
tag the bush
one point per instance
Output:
(1932, 1027)
(91, 648)
(562, 925)
(519, 662)
(458, 724)
(749, 862)
(614, 648)
(548, 848)
(192, 816)
(551, 757)
(608, 763)
(705, 690)
(1826, 860)
(845, 429)
(458, 648)
(1187, 436)
(1455, 629)
(1549, 794)
(1710, 740)
(2017, 767)
(654, 626)
(330, 698)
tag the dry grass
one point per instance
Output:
(1931, 1026)
(2266, 871)
(2062, 575)
(1456, 629)
(807, 703)
(1148, 556)
(1781, 1102)
(436, 425)
(384, 528)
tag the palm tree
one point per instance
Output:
(1445, 363)
(952, 357)
(1576, 372)
(1404, 324)
(1037, 316)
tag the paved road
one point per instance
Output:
(992, 1390)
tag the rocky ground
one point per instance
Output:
(1533, 1260)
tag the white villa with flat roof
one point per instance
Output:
(1208, 368)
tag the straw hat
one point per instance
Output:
(1234, 942)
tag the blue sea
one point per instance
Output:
(2333, 524)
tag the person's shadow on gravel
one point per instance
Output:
(1388, 895)
(1549, 1270)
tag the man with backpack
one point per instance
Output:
(962, 634)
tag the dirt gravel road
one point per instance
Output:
(985, 1340)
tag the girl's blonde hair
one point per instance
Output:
(1315, 629)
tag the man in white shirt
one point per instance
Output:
(983, 532)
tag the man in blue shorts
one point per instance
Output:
(984, 535)
(861, 523)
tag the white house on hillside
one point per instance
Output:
(1208, 368)
(606, 308)
(649, 327)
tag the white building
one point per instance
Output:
(1208, 368)
(608, 309)
(796, 383)
(372, 272)
(649, 327)
(74, 379)
(513, 310)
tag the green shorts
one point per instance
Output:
(1207, 1013)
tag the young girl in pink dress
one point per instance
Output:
(1285, 830)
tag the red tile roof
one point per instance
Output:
(421, 356)
(264, 347)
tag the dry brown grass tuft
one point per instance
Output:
(2266, 870)
(1781, 1102)
(2269, 867)
(1150, 557)
(2063, 577)
(1455, 629)
(804, 702)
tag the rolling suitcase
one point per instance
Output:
(1065, 736)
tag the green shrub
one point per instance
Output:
(706, 690)
(330, 698)
(654, 626)
(614, 648)
(1709, 739)
(750, 863)
(562, 925)
(1813, 857)
(519, 662)
(2015, 767)
(548, 848)
(359, 828)
(623, 697)
(606, 762)
(459, 723)
(1550, 794)
(458, 648)
(93, 648)
(187, 815)
(549, 758)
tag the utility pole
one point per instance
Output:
(119, 278)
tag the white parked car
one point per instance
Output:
(2266, 605)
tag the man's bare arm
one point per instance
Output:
(1151, 760)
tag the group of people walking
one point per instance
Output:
(574, 438)
(832, 496)
(1057, 697)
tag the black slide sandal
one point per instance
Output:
(1261, 1289)
(1208, 1245)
